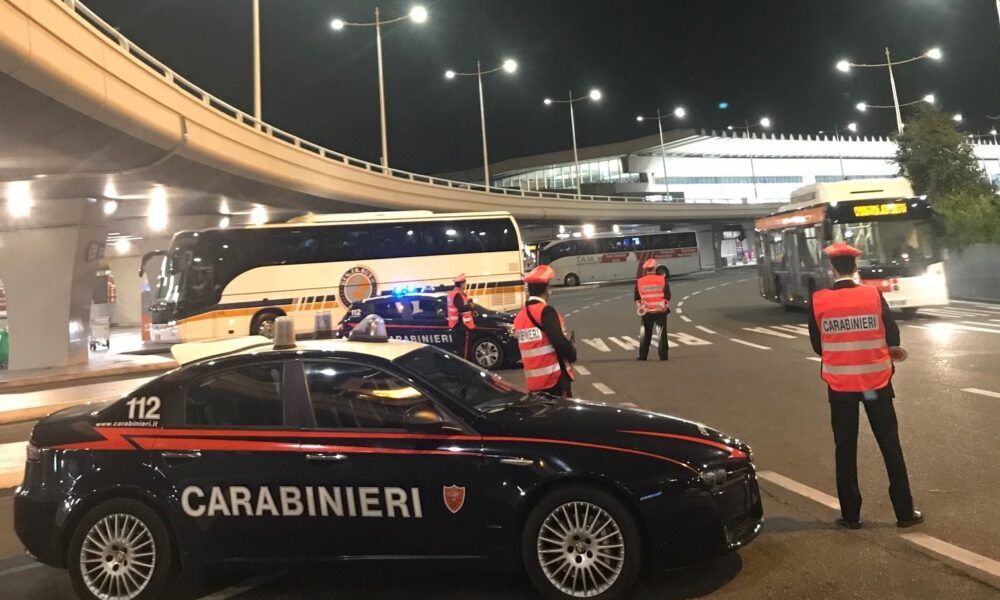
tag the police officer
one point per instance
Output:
(460, 319)
(852, 328)
(546, 352)
(652, 302)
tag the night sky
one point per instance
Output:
(763, 57)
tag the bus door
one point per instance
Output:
(782, 259)
(808, 263)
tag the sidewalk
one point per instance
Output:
(26, 406)
(11, 464)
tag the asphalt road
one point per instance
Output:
(743, 365)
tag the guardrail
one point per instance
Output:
(147, 61)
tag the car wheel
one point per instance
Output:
(488, 353)
(571, 280)
(581, 542)
(120, 549)
(263, 324)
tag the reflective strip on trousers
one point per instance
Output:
(542, 371)
(539, 351)
(857, 369)
(849, 346)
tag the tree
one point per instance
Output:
(938, 160)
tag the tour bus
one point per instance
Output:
(617, 257)
(237, 281)
(897, 232)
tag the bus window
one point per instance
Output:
(808, 249)
(776, 250)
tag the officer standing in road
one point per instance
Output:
(853, 330)
(652, 302)
(546, 352)
(460, 318)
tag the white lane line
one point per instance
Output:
(604, 389)
(705, 329)
(685, 319)
(685, 298)
(597, 344)
(814, 358)
(981, 323)
(767, 331)
(970, 328)
(952, 553)
(742, 280)
(996, 320)
(952, 313)
(800, 489)
(680, 310)
(799, 329)
(582, 370)
(680, 304)
(687, 339)
(751, 344)
(981, 392)
(243, 586)
(724, 284)
(709, 288)
(993, 307)
(571, 313)
(696, 292)
(18, 569)
(953, 328)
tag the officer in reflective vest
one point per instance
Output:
(652, 302)
(546, 351)
(460, 319)
(852, 329)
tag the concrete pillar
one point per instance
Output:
(127, 311)
(49, 273)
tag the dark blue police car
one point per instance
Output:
(422, 317)
(258, 451)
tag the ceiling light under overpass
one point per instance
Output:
(588, 229)
(109, 207)
(223, 222)
(122, 245)
(258, 216)
(19, 199)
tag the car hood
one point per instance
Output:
(623, 426)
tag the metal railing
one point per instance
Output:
(148, 62)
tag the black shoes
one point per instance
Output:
(842, 522)
(915, 519)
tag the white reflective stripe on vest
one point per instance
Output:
(857, 369)
(533, 352)
(539, 372)
(849, 346)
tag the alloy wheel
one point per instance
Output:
(118, 557)
(581, 549)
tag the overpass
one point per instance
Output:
(86, 114)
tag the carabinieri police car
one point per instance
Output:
(422, 317)
(256, 450)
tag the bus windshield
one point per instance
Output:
(891, 242)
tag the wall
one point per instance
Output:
(974, 273)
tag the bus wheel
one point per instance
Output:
(263, 324)
(571, 280)
(488, 353)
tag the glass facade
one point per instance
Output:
(724, 180)
(560, 177)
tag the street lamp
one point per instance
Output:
(864, 106)
(764, 123)
(957, 117)
(508, 66)
(853, 128)
(595, 95)
(678, 113)
(846, 65)
(417, 14)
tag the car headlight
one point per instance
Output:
(714, 477)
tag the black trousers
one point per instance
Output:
(653, 323)
(882, 418)
(460, 338)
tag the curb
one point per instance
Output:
(19, 384)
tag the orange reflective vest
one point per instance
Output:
(651, 293)
(467, 319)
(855, 353)
(541, 363)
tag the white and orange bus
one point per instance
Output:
(620, 256)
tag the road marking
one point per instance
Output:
(687, 339)
(742, 280)
(696, 292)
(680, 310)
(582, 370)
(628, 344)
(951, 552)
(709, 288)
(20, 568)
(799, 329)
(981, 323)
(685, 298)
(571, 313)
(604, 389)
(769, 332)
(800, 489)
(705, 329)
(993, 307)
(814, 358)
(952, 313)
(598, 344)
(751, 344)
(680, 304)
(724, 284)
(953, 328)
(981, 392)
(685, 319)
(244, 586)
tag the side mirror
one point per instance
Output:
(423, 419)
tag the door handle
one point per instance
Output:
(181, 455)
(326, 457)
(517, 462)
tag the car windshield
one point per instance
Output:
(476, 388)
(891, 242)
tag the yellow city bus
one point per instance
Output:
(233, 282)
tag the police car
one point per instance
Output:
(364, 448)
(422, 317)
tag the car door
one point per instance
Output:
(392, 483)
(234, 460)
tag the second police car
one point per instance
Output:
(370, 448)
(423, 317)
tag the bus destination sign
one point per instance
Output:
(880, 210)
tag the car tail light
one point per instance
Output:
(33, 453)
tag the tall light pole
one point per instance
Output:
(509, 66)
(595, 95)
(418, 14)
(846, 66)
(679, 113)
(256, 61)
(853, 128)
(764, 123)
